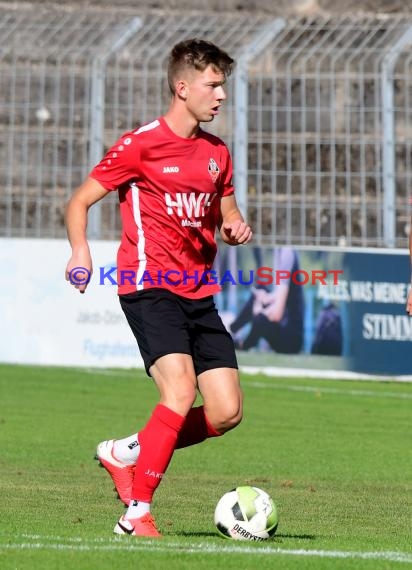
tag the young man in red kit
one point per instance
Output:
(174, 183)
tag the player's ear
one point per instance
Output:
(181, 89)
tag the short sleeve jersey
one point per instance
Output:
(169, 191)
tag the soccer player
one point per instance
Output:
(174, 183)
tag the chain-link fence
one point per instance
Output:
(317, 117)
(330, 133)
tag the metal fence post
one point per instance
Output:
(97, 105)
(389, 137)
(240, 155)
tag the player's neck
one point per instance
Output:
(181, 123)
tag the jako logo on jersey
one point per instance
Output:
(188, 205)
(170, 169)
(213, 169)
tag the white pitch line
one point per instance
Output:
(270, 372)
(283, 386)
(339, 391)
(325, 374)
(119, 373)
(201, 548)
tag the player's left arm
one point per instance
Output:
(233, 228)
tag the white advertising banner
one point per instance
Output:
(46, 321)
(357, 324)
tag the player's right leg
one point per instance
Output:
(175, 379)
(158, 325)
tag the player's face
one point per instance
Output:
(205, 93)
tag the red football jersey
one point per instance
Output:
(169, 192)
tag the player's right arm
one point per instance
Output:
(90, 192)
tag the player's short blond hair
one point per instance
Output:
(196, 54)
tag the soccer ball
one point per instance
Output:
(246, 513)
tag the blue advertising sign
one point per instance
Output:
(380, 330)
(319, 309)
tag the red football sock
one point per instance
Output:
(196, 428)
(157, 444)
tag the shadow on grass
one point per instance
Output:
(277, 536)
(202, 534)
(298, 536)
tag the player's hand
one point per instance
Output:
(79, 270)
(236, 233)
(409, 302)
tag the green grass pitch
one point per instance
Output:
(335, 457)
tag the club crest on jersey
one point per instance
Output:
(213, 169)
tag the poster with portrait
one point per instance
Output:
(317, 308)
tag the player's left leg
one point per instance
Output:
(120, 463)
(222, 398)
(217, 373)
(221, 411)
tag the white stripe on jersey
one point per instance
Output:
(147, 127)
(141, 239)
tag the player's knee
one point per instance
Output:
(180, 398)
(186, 396)
(232, 421)
(228, 419)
